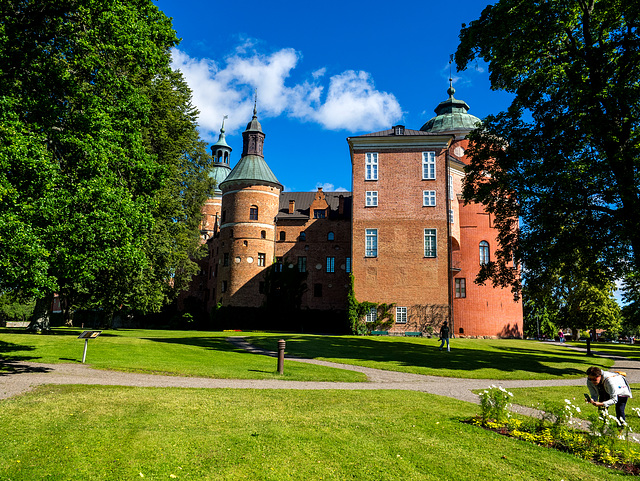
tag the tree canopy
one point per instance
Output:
(90, 168)
(564, 157)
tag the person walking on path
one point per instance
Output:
(444, 336)
(561, 335)
(608, 388)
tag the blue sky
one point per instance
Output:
(323, 72)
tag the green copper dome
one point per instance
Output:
(219, 172)
(451, 116)
(252, 168)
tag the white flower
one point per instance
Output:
(578, 409)
(568, 402)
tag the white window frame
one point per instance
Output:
(371, 243)
(371, 166)
(372, 315)
(401, 315)
(428, 198)
(431, 236)
(428, 165)
(371, 198)
(450, 186)
(451, 217)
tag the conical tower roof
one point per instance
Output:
(220, 169)
(252, 168)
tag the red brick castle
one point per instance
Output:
(404, 233)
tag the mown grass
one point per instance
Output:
(183, 353)
(631, 351)
(115, 433)
(468, 358)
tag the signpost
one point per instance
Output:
(86, 335)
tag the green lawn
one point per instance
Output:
(116, 433)
(468, 358)
(632, 351)
(184, 353)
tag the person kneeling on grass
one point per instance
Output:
(608, 388)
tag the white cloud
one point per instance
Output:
(227, 87)
(328, 187)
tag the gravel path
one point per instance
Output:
(25, 376)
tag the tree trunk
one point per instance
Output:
(39, 320)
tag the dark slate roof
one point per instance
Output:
(391, 133)
(303, 202)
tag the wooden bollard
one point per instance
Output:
(281, 345)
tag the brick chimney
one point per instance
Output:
(341, 205)
(292, 206)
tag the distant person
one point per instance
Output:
(444, 335)
(561, 335)
(608, 388)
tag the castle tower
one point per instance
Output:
(477, 310)
(221, 155)
(250, 200)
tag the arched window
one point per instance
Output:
(253, 212)
(484, 253)
(263, 234)
(303, 236)
(283, 236)
(330, 236)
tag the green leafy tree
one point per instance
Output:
(577, 296)
(84, 182)
(564, 158)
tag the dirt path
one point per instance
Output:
(25, 376)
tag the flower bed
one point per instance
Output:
(606, 442)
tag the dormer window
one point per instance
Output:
(398, 130)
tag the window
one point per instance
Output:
(224, 286)
(224, 215)
(371, 242)
(450, 216)
(319, 213)
(401, 315)
(372, 315)
(461, 287)
(429, 198)
(253, 213)
(348, 264)
(484, 253)
(263, 234)
(371, 198)
(262, 258)
(317, 290)
(428, 165)
(331, 264)
(430, 249)
(225, 259)
(283, 236)
(302, 264)
(450, 186)
(331, 236)
(303, 236)
(371, 166)
(278, 264)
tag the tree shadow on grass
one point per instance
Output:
(424, 353)
(11, 363)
